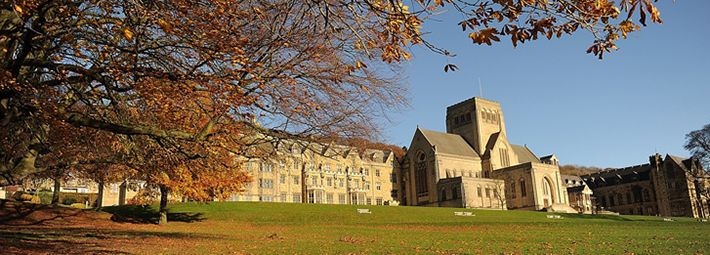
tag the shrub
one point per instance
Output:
(78, 205)
(69, 201)
(25, 197)
(46, 197)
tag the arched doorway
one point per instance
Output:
(548, 192)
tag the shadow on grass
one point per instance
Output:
(598, 217)
(146, 214)
(23, 214)
(77, 240)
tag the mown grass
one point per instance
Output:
(276, 228)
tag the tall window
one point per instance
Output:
(421, 177)
(455, 192)
(311, 197)
(523, 191)
(296, 197)
(341, 199)
(478, 190)
(329, 198)
(504, 159)
(512, 190)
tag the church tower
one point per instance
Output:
(477, 120)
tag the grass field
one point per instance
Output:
(275, 228)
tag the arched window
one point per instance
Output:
(619, 199)
(646, 196)
(545, 187)
(442, 195)
(523, 191)
(455, 192)
(421, 181)
(611, 200)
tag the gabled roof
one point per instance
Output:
(448, 143)
(680, 161)
(524, 154)
(543, 158)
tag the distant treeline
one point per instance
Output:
(579, 170)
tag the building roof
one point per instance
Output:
(543, 158)
(524, 154)
(449, 143)
(571, 180)
(683, 163)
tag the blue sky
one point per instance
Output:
(558, 99)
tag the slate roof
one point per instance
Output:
(449, 143)
(543, 158)
(684, 163)
(524, 154)
(571, 180)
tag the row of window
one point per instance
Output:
(316, 197)
(329, 182)
(265, 167)
(504, 159)
(513, 188)
(479, 192)
(457, 173)
(490, 116)
(462, 119)
(636, 196)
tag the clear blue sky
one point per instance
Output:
(558, 99)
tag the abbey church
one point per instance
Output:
(473, 165)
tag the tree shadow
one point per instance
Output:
(597, 217)
(77, 240)
(23, 214)
(147, 215)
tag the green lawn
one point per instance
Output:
(276, 228)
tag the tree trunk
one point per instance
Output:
(163, 205)
(100, 199)
(122, 193)
(55, 192)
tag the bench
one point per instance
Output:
(464, 214)
(554, 217)
(363, 211)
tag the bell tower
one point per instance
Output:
(476, 120)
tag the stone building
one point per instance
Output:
(323, 174)
(663, 187)
(579, 194)
(473, 165)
